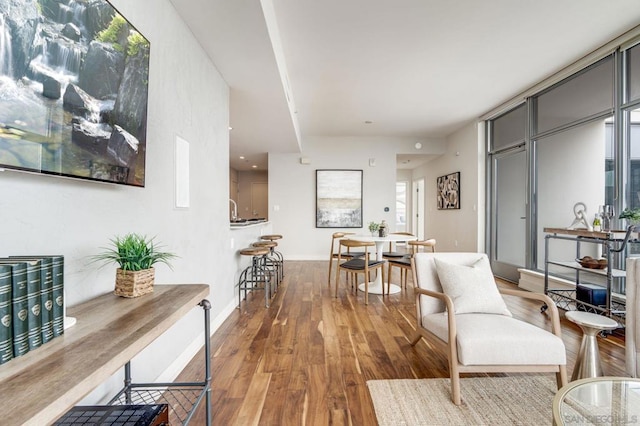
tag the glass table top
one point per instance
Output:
(598, 401)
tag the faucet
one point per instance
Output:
(234, 213)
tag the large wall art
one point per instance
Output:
(338, 198)
(449, 191)
(73, 90)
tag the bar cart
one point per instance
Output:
(610, 278)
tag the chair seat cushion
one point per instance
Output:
(350, 254)
(357, 264)
(403, 261)
(489, 339)
(393, 254)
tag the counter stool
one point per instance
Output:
(256, 273)
(275, 237)
(272, 259)
(588, 359)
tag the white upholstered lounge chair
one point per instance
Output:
(482, 336)
(632, 323)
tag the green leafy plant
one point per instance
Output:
(136, 42)
(373, 226)
(134, 252)
(632, 215)
(111, 33)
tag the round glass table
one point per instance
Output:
(598, 401)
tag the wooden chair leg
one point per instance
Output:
(561, 376)
(366, 292)
(330, 266)
(455, 385)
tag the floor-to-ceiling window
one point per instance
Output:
(508, 158)
(579, 142)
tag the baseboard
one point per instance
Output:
(534, 281)
(175, 368)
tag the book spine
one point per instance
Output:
(19, 310)
(34, 296)
(58, 295)
(46, 308)
(6, 332)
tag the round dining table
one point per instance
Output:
(376, 286)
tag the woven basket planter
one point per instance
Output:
(134, 283)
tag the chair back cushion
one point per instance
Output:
(427, 275)
(471, 287)
(632, 332)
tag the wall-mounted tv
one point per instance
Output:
(73, 90)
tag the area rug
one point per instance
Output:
(513, 400)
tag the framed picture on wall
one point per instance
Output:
(449, 191)
(338, 198)
(73, 92)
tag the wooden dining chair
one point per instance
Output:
(358, 265)
(404, 263)
(392, 253)
(335, 248)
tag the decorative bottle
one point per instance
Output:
(596, 224)
(383, 231)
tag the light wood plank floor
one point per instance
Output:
(306, 359)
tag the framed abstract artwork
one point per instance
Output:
(74, 79)
(449, 191)
(338, 198)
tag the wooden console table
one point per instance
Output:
(39, 387)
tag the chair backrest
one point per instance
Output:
(349, 244)
(426, 276)
(416, 246)
(632, 331)
(336, 236)
(398, 233)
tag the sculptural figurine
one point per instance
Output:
(580, 221)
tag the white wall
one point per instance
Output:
(187, 97)
(292, 187)
(463, 229)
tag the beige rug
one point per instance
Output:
(513, 400)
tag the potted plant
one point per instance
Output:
(135, 255)
(373, 228)
(632, 215)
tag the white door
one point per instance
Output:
(417, 223)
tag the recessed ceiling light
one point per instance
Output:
(418, 145)
(242, 157)
(254, 167)
(230, 128)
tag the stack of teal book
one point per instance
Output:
(31, 303)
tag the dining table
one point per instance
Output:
(377, 286)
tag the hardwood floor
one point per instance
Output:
(307, 358)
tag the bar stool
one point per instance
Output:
(272, 261)
(274, 238)
(256, 273)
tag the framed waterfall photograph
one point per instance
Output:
(338, 198)
(449, 191)
(74, 79)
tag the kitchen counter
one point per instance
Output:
(248, 223)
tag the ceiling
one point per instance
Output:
(415, 69)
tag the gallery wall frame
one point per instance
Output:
(448, 190)
(74, 92)
(338, 198)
